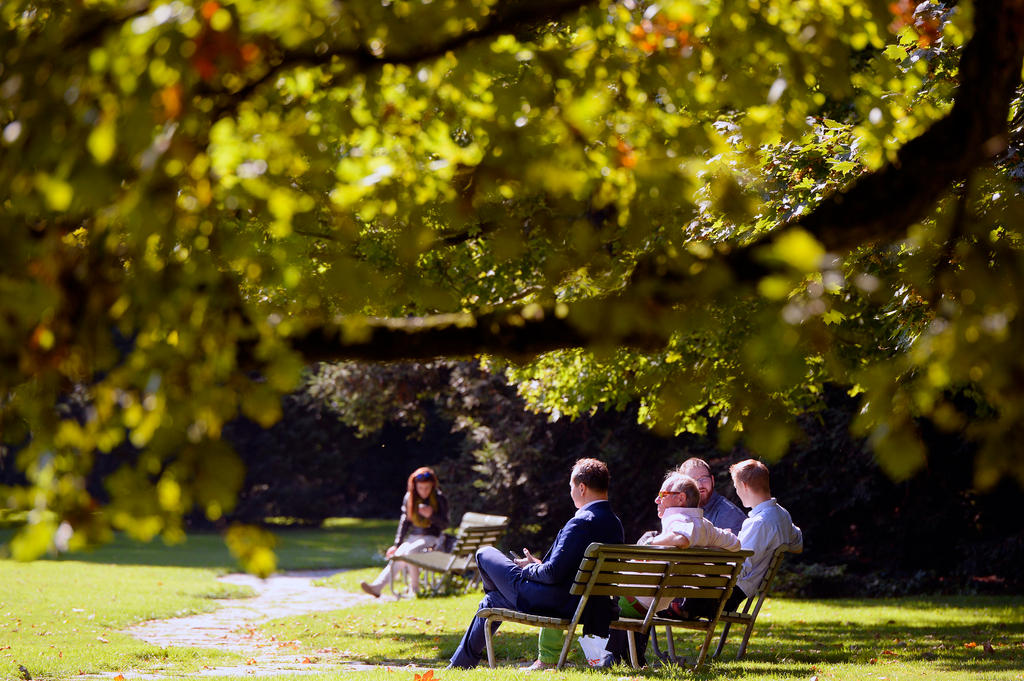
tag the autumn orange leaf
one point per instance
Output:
(209, 9)
(429, 676)
(972, 644)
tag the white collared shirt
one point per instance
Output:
(691, 523)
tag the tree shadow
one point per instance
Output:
(795, 649)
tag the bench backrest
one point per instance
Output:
(769, 576)
(657, 572)
(476, 530)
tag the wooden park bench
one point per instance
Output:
(745, 616)
(440, 567)
(655, 572)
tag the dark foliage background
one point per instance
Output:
(348, 441)
(350, 437)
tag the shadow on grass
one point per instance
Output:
(948, 647)
(941, 644)
(344, 543)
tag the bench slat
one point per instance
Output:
(658, 567)
(633, 579)
(678, 592)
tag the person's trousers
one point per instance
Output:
(500, 578)
(414, 544)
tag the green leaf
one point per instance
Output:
(895, 52)
(102, 142)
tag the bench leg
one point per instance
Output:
(489, 643)
(633, 660)
(670, 644)
(569, 635)
(721, 640)
(704, 648)
(746, 637)
(654, 647)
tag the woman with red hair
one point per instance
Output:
(424, 518)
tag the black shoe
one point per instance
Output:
(674, 612)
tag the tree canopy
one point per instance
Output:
(714, 207)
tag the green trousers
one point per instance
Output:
(550, 641)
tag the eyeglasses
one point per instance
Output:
(662, 494)
(705, 477)
(423, 476)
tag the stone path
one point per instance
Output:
(233, 628)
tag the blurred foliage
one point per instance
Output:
(199, 198)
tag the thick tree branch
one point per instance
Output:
(883, 204)
(515, 334)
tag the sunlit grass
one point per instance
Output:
(844, 639)
(60, 618)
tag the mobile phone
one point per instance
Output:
(513, 556)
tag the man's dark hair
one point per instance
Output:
(592, 473)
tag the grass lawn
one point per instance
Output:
(890, 639)
(58, 617)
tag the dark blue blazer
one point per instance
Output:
(544, 589)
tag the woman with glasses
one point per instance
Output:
(424, 519)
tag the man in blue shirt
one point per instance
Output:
(541, 587)
(721, 512)
(767, 527)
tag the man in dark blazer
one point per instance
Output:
(538, 586)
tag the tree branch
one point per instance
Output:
(883, 204)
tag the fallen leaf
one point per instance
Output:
(251, 660)
(119, 677)
(972, 644)
(102, 640)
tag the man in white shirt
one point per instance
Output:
(683, 523)
(767, 527)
